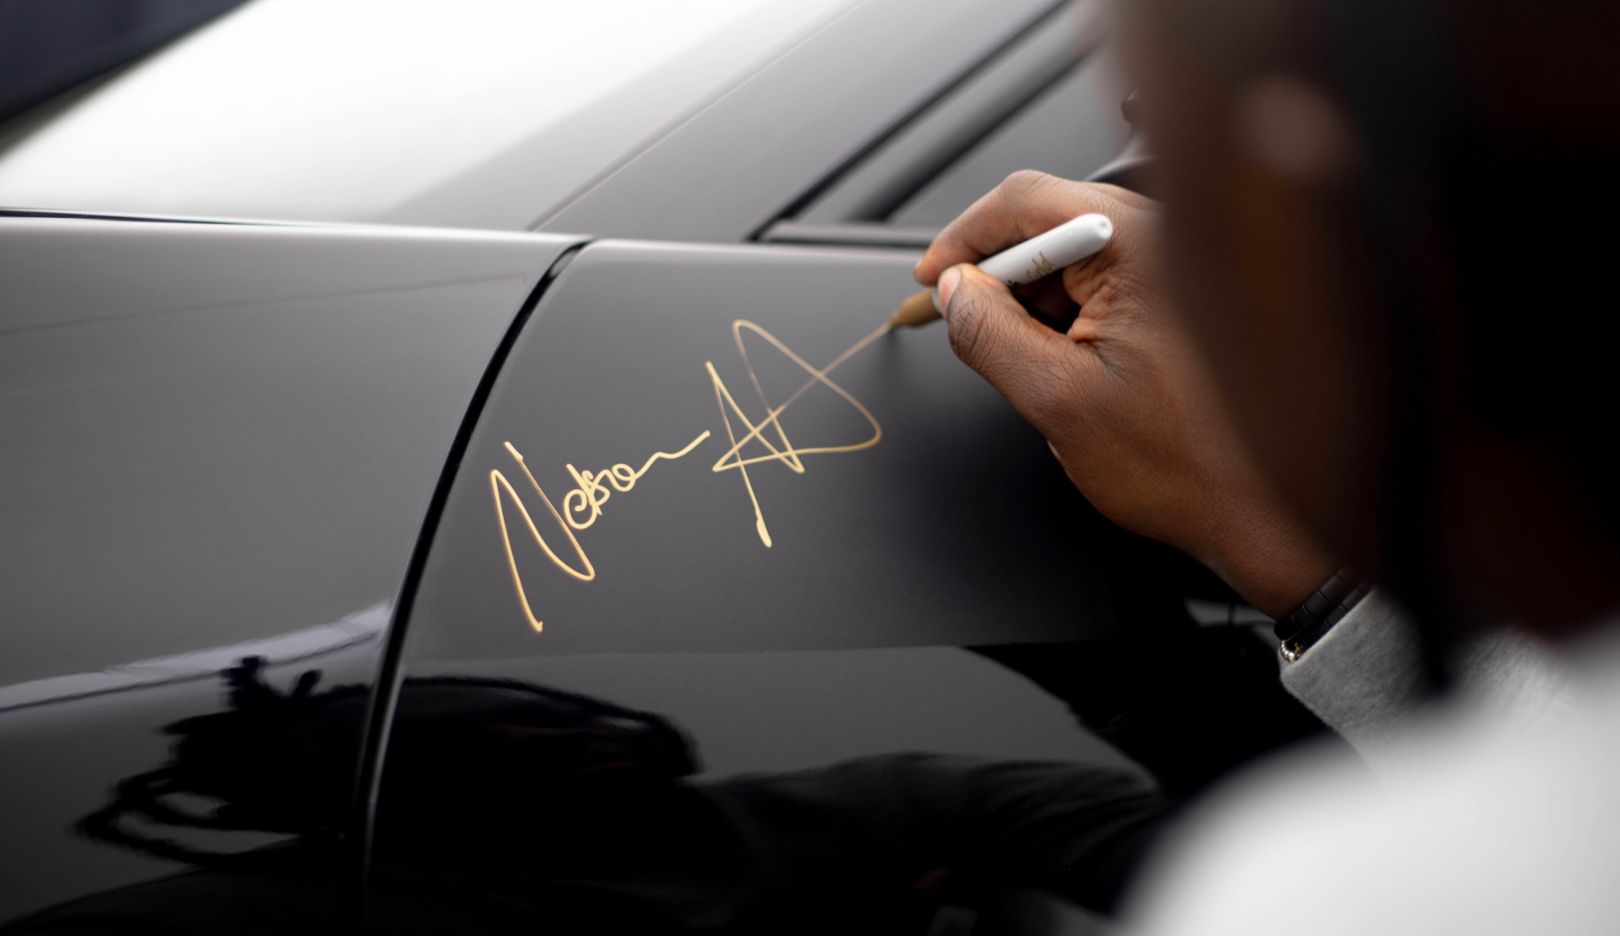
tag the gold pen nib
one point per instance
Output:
(918, 309)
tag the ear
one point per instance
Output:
(1287, 126)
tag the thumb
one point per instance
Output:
(993, 334)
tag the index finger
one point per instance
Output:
(1025, 204)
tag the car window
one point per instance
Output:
(1073, 128)
(1047, 100)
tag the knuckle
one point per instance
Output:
(1020, 189)
(1010, 203)
(1024, 181)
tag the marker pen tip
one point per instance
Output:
(917, 309)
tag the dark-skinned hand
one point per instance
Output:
(1118, 390)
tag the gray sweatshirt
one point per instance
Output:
(1493, 815)
(1364, 676)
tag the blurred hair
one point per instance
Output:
(1490, 145)
(1474, 219)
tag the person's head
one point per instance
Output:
(1389, 222)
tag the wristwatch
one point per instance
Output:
(1302, 627)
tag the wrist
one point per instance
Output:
(1299, 630)
(1268, 559)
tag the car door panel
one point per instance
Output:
(720, 489)
(689, 729)
(220, 441)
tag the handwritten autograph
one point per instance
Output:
(583, 504)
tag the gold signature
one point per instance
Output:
(785, 452)
(583, 504)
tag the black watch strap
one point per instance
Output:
(1316, 615)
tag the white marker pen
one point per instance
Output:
(1040, 256)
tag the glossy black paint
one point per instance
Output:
(769, 793)
(957, 527)
(221, 440)
(752, 771)
(833, 733)
(876, 724)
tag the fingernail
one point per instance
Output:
(948, 281)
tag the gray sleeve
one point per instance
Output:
(1364, 677)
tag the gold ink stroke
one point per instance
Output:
(588, 498)
(783, 450)
(583, 505)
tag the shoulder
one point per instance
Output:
(1470, 830)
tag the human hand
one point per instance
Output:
(1121, 395)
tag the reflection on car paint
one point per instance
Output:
(512, 806)
(582, 505)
